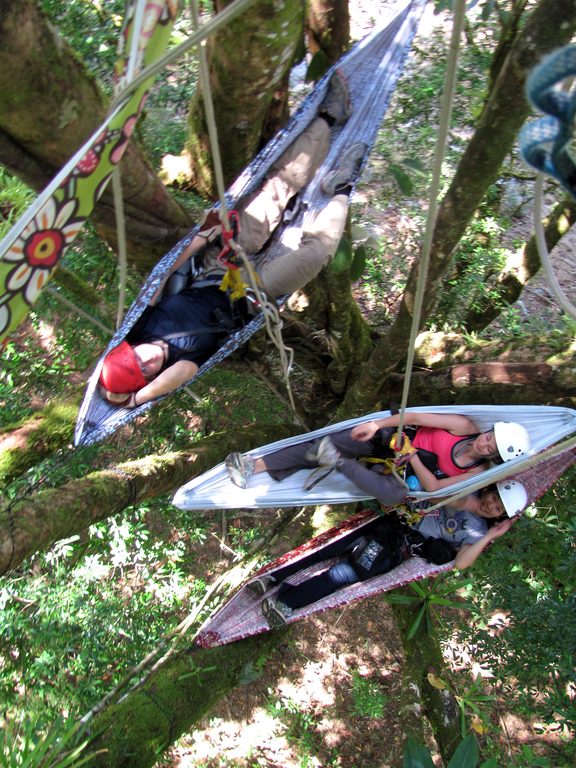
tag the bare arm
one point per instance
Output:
(167, 381)
(469, 553)
(452, 422)
(430, 482)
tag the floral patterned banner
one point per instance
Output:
(30, 252)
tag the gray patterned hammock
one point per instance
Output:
(371, 68)
(547, 425)
(242, 615)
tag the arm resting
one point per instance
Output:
(167, 381)
(469, 553)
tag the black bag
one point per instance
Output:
(437, 551)
(383, 549)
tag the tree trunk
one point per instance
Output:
(329, 28)
(27, 443)
(508, 285)
(36, 521)
(423, 656)
(551, 24)
(345, 333)
(244, 80)
(49, 105)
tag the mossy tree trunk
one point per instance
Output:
(134, 732)
(551, 24)
(247, 80)
(420, 699)
(34, 522)
(49, 105)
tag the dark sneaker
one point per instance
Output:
(346, 171)
(276, 613)
(261, 585)
(240, 468)
(337, 101)
(324, 453)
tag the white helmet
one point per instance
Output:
(513, 495)
(512, 439)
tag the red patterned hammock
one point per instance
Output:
(242, 616)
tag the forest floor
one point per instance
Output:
(329, 696)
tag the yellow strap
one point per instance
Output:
(234, 282)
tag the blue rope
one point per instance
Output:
(545, 142)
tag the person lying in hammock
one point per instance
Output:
(180, 332)
(459, 531)
(441, 450)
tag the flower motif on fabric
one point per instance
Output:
(40, 247)
(5, 318)
(91, 160)
(125, 132)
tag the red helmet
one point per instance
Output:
(121, 373)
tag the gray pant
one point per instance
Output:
(386, 488)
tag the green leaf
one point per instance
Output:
(417, 621)
(402, 179)
(416, 756)
(418, 589)
(343, 257)
(358, 263)
(393, 599)
(319, 64)
(416, 166)
(466, 755)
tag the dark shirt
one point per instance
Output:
(190, 310)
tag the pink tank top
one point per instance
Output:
(441, 443)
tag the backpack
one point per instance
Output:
(383, 549)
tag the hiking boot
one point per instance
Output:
(240, 468)
(343, 175)
(324, 453)
(261, 585)
(336, 103)
(276, 613)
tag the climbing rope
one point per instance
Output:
(121, 237)
(439, 153)
(543, 252)
(545, 144)
(270, 312)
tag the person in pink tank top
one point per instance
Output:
(446, 448)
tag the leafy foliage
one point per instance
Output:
(30, 744)
(91, 608)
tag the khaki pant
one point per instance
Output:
(295, 269)
(263, 212)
